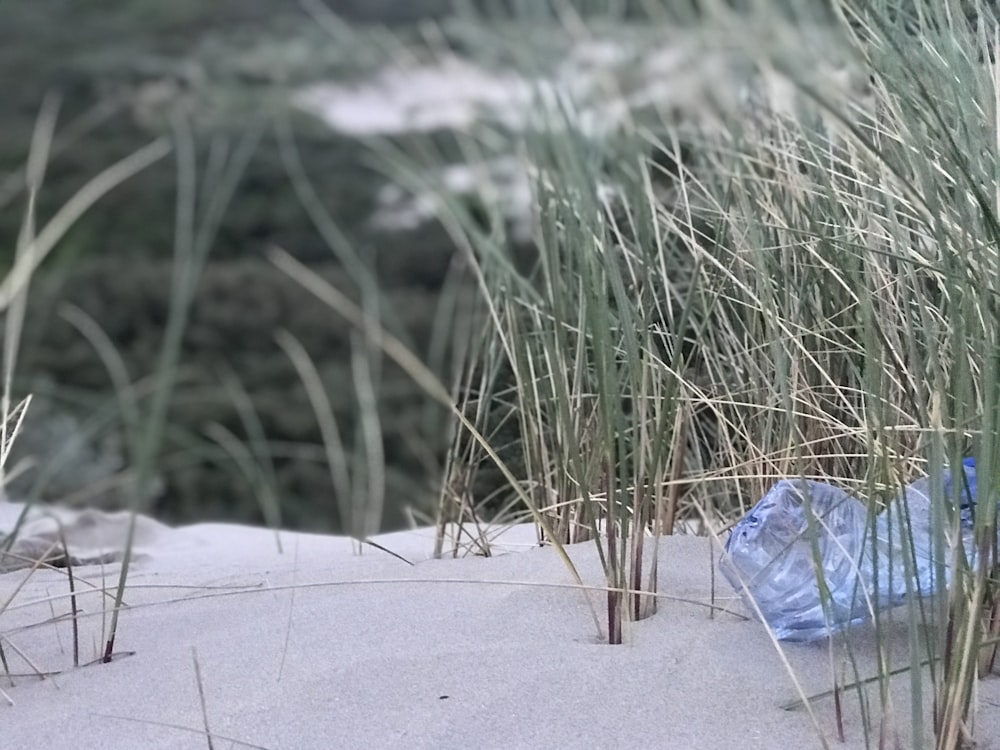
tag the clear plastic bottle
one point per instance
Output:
(805, 537)
(909, 518)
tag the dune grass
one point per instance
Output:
(812, 294)
(803, 284)
(143, 422)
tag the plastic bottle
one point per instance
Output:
(804, 537)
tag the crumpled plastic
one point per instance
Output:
(809, 559)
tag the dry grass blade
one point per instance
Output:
(41, 245)
(12, 421)
(191, 730)
(201, 699)
(333, 445)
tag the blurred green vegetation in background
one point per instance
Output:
(118, 69)
(122, 71)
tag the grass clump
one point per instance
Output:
(813, 294)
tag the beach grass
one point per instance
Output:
(802, 283)
(811, 294)
(143, 422)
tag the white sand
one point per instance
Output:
(320, 647)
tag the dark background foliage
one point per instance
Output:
(116, 68)
(102, 60)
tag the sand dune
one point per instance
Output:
(319, 646)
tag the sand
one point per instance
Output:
(319, 646)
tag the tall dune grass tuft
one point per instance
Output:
(804, 285)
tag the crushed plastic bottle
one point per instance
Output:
(771, 557)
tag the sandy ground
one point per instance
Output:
(318, 646)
